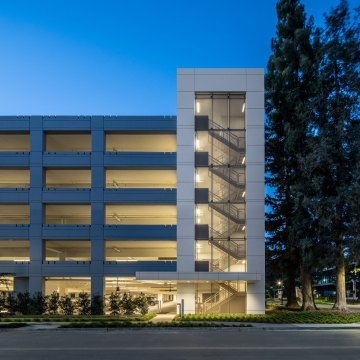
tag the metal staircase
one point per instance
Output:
(226, 136)
(229, 210)
(226, 197)
(225, 294)
(227, 173)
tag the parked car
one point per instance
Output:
(152, 300)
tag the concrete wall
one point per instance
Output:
(250, 81)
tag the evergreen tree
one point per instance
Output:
(290, 92)
(53, 303)
(334, 162)
(83, 304)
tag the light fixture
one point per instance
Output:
(198, 107)
(198, 212)
(243, 160)
(243, 194)
(243, 107)
(197, 178)
(197, 144)
(243, 228)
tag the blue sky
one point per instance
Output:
(87, 57)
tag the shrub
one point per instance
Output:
(23, 301)
(10, 303)
(38, 304)
(66, 305)
(83, 304)
(97, 305)
(127, 304)
(3, 297)
(53, 303)
(142, 304)
(114, 303)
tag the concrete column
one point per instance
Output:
(185, 171)
(36, 284)
(35, 205)
(255, 222)
(255, 298)
(186, 292)
(97, 206)
(21, 284)
(97, 285)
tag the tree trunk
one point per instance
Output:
(290, 291)
(307, 291)
(340, 303)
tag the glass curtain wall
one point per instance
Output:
(220, 133)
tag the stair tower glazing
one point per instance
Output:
(220, 139)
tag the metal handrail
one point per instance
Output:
(226, 134)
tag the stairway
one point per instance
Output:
(230, 247)
(229, 174)
(226, 293)
(229, 210)
(227, 137)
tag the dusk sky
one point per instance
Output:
(108, 57)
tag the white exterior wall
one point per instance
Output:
(250, 81)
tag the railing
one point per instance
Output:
(231, 247)
(234, 196)
(230, 211)
(231, 175)
(227, 136)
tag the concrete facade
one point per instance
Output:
(202, 288)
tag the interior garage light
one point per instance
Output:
(198, 107)
(243, 160)
(243, 107)
(197, 143)
(197, 178)
(243, 194)
(243, 228)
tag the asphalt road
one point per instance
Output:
(189, 344)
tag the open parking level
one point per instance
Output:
(244, 343)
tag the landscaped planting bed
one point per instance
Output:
(283, 317)
(76, 318)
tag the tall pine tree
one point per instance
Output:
(333, 164)
(289, 94)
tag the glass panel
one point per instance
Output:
(220, 112)
(225, 180)
(237, 113)
(203, 107)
